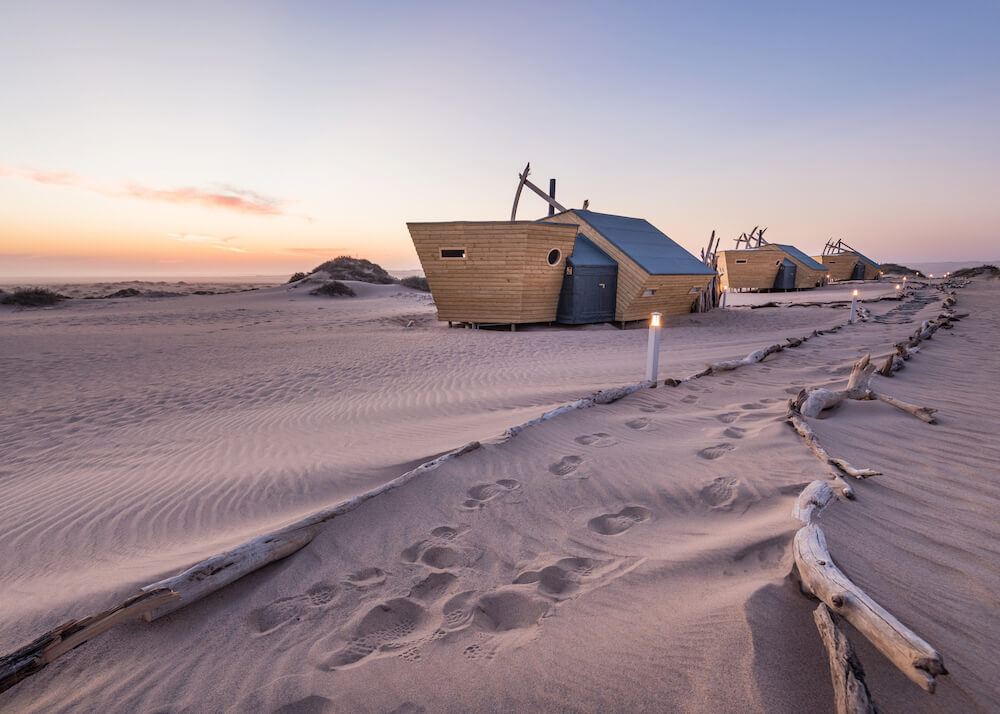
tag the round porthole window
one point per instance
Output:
(554, 256)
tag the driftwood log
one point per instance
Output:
(605, 396)
(218, 571)
(813, 402)
(850, 694)
(813, 499)
(821, 577)
(207, 576)
(38, 654)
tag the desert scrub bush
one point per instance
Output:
(32, 297)
(416, 282)
(297, 277)
(333, 288)
(348, 268)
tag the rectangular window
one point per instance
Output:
(648, 292)
(741, 261)
(453, 252)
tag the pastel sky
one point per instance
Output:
(197, 138)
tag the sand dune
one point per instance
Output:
(632, 556)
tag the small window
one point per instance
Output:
(554, 255)
(777, 262)
(741, 261)
(648, 292)
(453, 252)
(569, 270)
(831, 262)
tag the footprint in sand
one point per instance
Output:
(479, 495)
(599, 440)
(289, 609)
(565, 466)
(714, 452)
(721, 493)
(390, 627)
(766, 555)
(366, 578)
(618, 523)
(652, 408)
(753, 405)
(728, 417)
(639, 424)
(433, 587)
(561, 579)
(439, 553)
(729, 382)
(735, 432)
(690, 399)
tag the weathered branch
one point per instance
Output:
(923, 413)
(904, 648)
(218, 571)
(850, 694)
(813, 498)
(37, 655)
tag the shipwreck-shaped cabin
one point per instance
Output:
(771, 266)
(574, 267)
(850, 265)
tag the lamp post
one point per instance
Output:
(854, 305)
(653, 347)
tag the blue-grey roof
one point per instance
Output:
(868, 260)
(800, 256)
(586, 253)
(642, 242)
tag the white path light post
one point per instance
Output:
(653, 347)
(854, 305)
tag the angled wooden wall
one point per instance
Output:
(761, 268)
(840, 266)
(504, 278)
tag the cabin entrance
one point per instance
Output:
(859, 271)
(785, 279)
(588, 294)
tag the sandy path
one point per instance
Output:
(630, 556)
(141, 435)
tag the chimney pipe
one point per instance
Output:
(552, 195)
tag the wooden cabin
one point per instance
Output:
(494, 272)
(574, 267)
(654, 272)
(850, 265)
(772, 266)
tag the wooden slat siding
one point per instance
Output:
(761, 268)
(757, 273)
(633, 280)
(505, 276)
(839, 267)
(673, 296)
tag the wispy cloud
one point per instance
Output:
(210, 241)
(221, 196)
